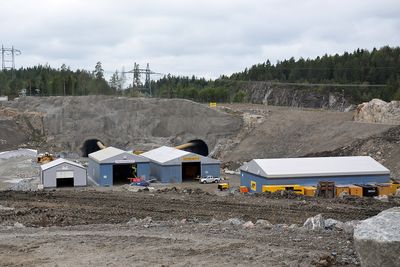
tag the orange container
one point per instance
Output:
(384, 189)
(244, 189)
(309, 191)
(356, 190)
(342, 188)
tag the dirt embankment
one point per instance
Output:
(383, 147)
(273, 132)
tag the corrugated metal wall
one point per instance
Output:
(49, 175)
(171, 174)
(246, 178)
(103, 173)
(210, 169)
(106, 175)
(143, 170)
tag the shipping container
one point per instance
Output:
(356, 190)
(384, 189)
(310, 191)
(274, 188)
(369, 190)
(342, 188)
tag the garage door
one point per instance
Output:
(65, 174)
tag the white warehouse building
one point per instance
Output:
(62, 173)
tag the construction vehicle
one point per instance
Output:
(45, 158)
(223, 186)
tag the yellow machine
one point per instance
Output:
(45, 158)
(274, 188)
(223, 186)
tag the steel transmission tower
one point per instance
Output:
(8, 57)
(137, 71)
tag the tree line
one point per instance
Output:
(376, 67)
(362, 67)
(46, 81)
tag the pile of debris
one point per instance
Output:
(188, 191)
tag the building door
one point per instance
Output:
(64, 178)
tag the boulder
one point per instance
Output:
(315, 223)
(248, 224)
(377, 239)
(378, 111)
(234, 221)
(330, 223)
(264, 224)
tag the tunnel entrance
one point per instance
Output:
(90, 146)
(191, 171)
(121, 173)
(197, 146)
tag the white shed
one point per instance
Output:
(62, 173)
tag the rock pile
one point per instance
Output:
(378, 111)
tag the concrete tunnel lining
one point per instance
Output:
(90, 146)
(198, 147)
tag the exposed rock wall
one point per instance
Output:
(286, 95)
(378, 111)
(128, 123)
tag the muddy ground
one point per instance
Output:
(89, 227)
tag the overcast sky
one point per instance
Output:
(204, 38)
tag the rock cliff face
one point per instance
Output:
(378, 111)
(286, 95)
(129, 123)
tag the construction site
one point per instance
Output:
(165, 182)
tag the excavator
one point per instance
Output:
(45, 158)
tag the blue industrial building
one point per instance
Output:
(112, 166)
(171, 165)
(310, 171)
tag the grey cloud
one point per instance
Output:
(193, 37)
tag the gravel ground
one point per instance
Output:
(188, 227)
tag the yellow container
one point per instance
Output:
(274, 188)
(309, 191)
(394, 187)
(384, 189)
(342, 188)
(356, 190)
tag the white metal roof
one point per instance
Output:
(59, 161)
(323, 166)
(105, 153)
(164, 154)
